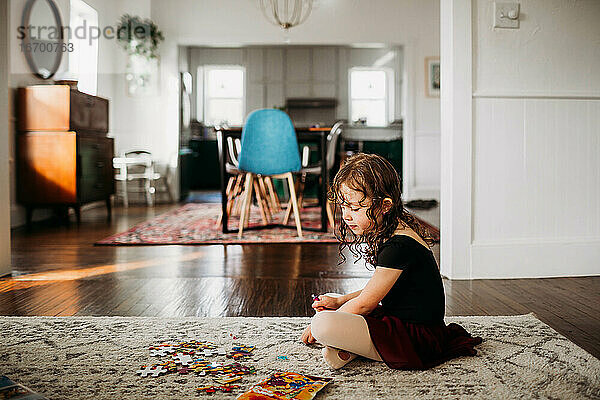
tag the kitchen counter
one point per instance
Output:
(371, 133)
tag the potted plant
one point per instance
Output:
(139, 37)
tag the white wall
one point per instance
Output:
(5, 262)
(414, 24)
(137, 123)
(534, 190)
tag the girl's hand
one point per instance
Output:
(327, 303)
(307, 336)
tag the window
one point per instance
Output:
(370, 94)
(221, 95)
(83, 60)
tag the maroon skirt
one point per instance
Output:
(406, 345)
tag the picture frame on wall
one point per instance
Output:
(432, 76)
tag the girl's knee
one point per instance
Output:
(322, 325)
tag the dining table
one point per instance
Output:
(316, 135)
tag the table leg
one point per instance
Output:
(324, 182)
(108, 209)
(125, 195)
(222, 146)
(77, 209)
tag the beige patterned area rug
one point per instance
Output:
(97, 358)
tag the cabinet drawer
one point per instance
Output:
(46, 172)
(95, 168)
(99, 115)
(81, 109)
(88, 113)
(43, 108)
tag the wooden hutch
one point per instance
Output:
(64, 158)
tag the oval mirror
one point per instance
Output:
(43, 39)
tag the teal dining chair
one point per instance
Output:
(269, 149)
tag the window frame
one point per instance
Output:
(388, 96)
(90, 14)
(203, 96)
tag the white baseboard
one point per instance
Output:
(535, 260)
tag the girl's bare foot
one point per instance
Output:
(336, 358)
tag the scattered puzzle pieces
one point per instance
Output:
(190, 357)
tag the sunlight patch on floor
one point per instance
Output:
(41, 278)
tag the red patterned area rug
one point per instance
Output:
(195, 223)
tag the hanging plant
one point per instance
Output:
(139, 37)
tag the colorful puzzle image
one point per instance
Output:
(286, 386)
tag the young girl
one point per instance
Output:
(407, 331)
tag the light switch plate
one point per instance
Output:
(506, 15)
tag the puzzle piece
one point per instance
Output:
(237, 355)
(224, 381)
(154, 370)
(209, 352)
(247, 349)
(159, 370)
(183, 359)
(184, 370)
(144, 371)
(158, 353)
(163, 346)
(212, 388)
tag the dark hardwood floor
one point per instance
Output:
(58, 271)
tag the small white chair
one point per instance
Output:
(138, 166)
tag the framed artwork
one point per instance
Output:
(432, 76)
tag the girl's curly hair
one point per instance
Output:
(374, 177)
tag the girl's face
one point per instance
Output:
(354, 213)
